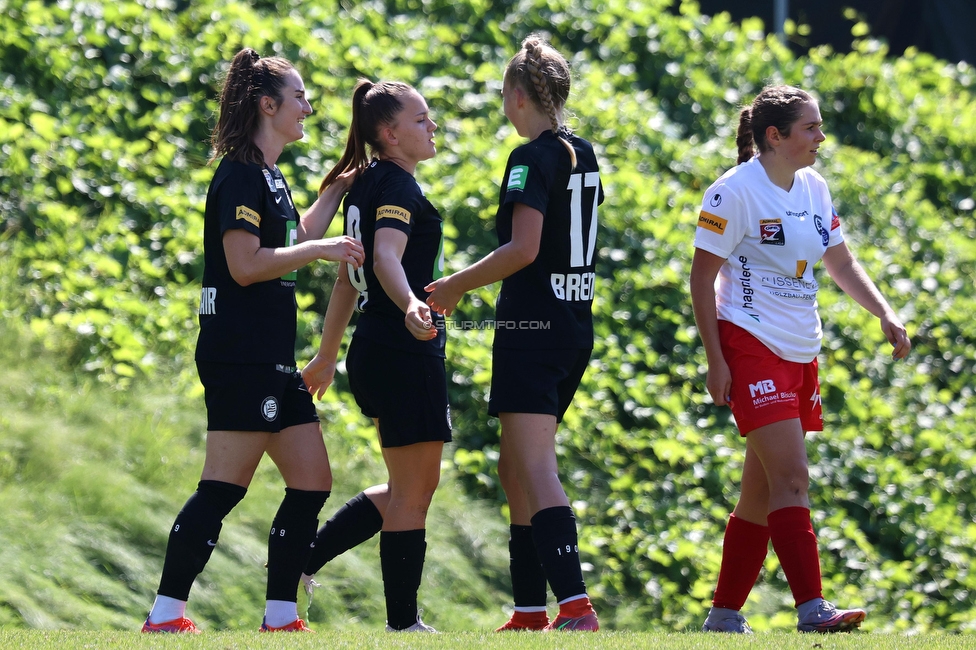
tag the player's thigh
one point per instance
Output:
(299, 453)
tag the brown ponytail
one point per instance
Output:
(743, 139)
(373, 106)
(544, 75)
(249, 78)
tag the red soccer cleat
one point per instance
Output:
(176, 626)
(523, 621)
(298, 625)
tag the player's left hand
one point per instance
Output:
(442, 299)
(419, 320)
(318, 375)
(896, 334)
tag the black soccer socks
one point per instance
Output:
(194, 535)
(554, 532)
(402, 560)
(352, 524)
(290, 541)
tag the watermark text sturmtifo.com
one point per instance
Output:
(491, 324)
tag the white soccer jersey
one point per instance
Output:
(771, 240)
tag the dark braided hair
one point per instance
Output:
(544, 75)
(778, 106)
(373, 106)
(249, 78)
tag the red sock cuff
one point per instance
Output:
(788, 518)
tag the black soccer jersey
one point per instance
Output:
(256, 323)
(548, 303)
(386, 196)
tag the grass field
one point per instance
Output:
(364, 640)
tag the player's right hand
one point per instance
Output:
(318, 375)
(343, 249)
(442, 298)
(418, 320)
(719, 383)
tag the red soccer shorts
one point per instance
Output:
(765, 387)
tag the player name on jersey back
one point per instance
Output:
(573, 287)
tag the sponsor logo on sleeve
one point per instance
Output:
(834, 220)
(392, 212)
(712, 222)
(716, 200)
(771, 232)
(824, 235)
(249, 215)
(517, 177)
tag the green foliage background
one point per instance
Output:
(105, 112)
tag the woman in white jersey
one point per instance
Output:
(763, 226)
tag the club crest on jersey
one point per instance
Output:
(824, 235)
(771, 232)
(269, 180)
(517, 177)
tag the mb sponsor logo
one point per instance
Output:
(765, 392)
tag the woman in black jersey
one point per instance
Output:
(546, 225)
(396, 357)
(256, 401)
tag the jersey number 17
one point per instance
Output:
(576, 184)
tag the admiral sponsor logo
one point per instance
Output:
(270, 181)
(573, 287)
(517, 177)
(745, 278)
(712, 222)
(248, 215)
(269, 409)
(392, 212)
(824, 235)
(716, 200)
(771, 232)
(208, 301)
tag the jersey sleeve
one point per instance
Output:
(527, 181)
(399, 204)
(721, 221)
(836, 232)
(241, 200)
